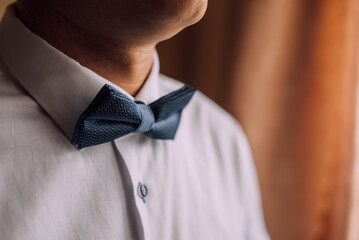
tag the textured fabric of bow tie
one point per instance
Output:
(112, 115)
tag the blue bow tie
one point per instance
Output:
(112, 115)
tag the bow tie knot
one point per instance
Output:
(112, 115)
(147, 118)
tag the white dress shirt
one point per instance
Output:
(202, 185)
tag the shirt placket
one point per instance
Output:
(136, 189)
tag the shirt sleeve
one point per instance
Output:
(255, 225)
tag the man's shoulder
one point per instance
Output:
(207, 125)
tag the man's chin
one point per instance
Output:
(199, 11)
(174, 21)
(192, 15)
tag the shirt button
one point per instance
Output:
(142, 191)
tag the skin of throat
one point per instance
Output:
(124, 64)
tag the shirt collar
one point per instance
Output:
(62, 86)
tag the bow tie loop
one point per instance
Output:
(172, 102)
(147, 118)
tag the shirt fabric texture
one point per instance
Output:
(201, 185)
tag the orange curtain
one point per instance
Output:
(287, 71)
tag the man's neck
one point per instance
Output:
(126, 65)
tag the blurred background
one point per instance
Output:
(287, 70)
